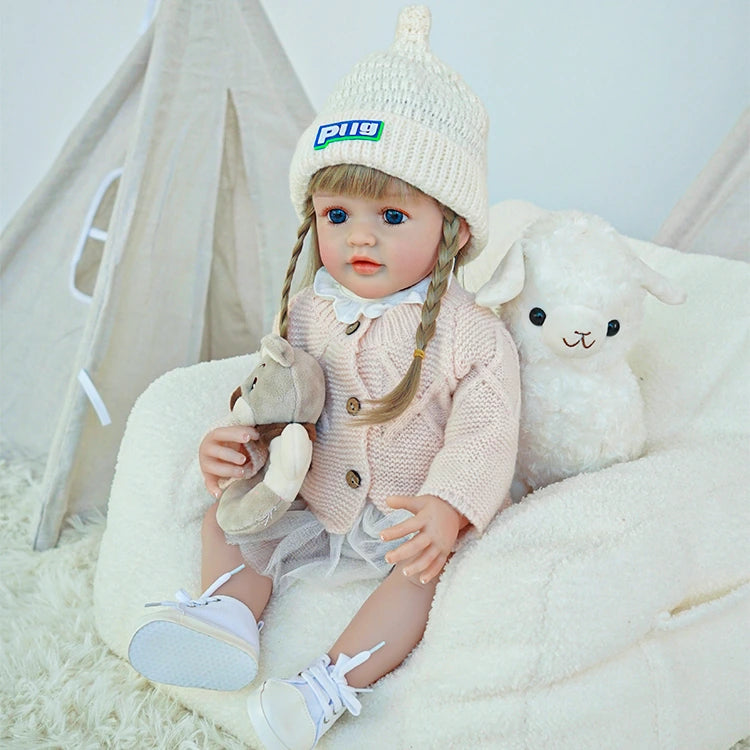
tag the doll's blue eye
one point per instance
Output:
(337, 216)
(613, 327)
(394, 216)
(537, 316)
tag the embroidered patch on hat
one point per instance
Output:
(348, 130)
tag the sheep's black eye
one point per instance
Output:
(613, 327)
(537, 316)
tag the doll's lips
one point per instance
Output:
(364, 266)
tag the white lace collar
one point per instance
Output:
(348, 306)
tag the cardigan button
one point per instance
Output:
(353, 405)
(353, 479)
(351, 328)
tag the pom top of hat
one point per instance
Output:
(413, 27)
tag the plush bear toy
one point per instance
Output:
(283, 398)
(571, 292)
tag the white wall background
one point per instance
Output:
(609, 106)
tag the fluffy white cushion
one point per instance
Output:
(607, 610)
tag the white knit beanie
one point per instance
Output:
(406, 113)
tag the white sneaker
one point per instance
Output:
(294, 714)
(210, 642)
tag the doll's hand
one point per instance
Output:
(222, 455)
(435, 524)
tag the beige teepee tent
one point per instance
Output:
(158, 239)
(714, 214)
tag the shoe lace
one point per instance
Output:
(329, 686)
(184, 599)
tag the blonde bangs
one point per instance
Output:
(355, 179)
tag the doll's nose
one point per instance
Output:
(361, 235)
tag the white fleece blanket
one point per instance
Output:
(607, 611)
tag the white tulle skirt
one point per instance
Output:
(298, 547)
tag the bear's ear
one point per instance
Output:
(235, 395)
(278, 349)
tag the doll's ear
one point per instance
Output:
(507, 280)
(278, 349)
(464, 233)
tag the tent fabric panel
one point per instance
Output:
(179, 216)
(85, 266)
(272, 111)
(42, 321)
(144, 311)
(233, 317)
(713, 217)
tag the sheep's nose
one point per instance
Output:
(574, 331)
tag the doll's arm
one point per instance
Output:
(474, 468)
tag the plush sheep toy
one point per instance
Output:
(283, 398)
(571, 293)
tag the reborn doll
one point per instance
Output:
(282, 397)
(571, 292)
(418, 434)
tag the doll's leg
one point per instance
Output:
(212, 641)
(218, 557)
(295, 713)
(396, 612)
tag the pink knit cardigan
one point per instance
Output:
(456, 440)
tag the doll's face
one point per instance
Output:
(377, 246)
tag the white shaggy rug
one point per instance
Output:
(60, 687)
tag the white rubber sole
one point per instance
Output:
(260, 724)
(192, 654)
(277, 703)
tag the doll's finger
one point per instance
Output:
(408, 549)
(422, 564)
(433, 570)
(229, 455)
(399, 530)
(430, 569)
(221, 469)
(236, 433)
(410, 502)
(213, 486)
(230, 452)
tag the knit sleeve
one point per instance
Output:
(474, 469)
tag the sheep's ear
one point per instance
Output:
(507, 280)
(660, 286)
(278, 349)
